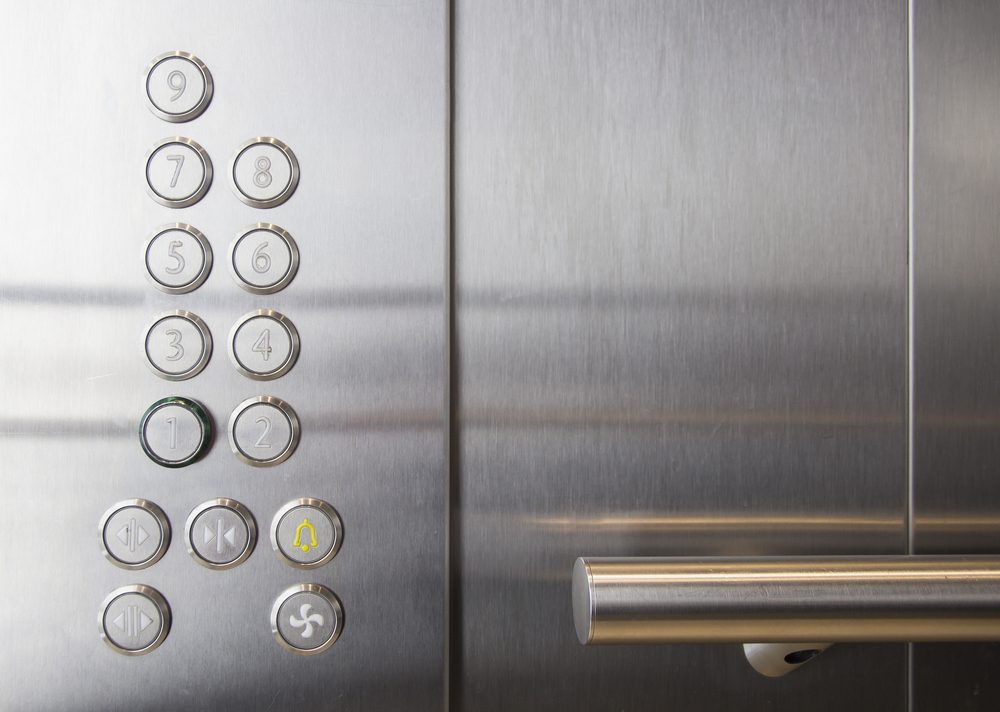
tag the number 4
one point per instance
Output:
(263, 344)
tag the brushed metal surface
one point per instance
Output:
(956, 319)
(359, 91)
(786, 599)
(680, 277)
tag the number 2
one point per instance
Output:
(267, 428)
(179, 160)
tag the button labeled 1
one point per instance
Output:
(263, 258)
(178, 86)
(175, 431)
(264, 172)
(178, 172)
(178, 345)
(263, 345)
(263, 431)
(178, 258)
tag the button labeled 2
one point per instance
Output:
(263, 431)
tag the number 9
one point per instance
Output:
(177, 81)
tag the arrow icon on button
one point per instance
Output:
(132, 621)
(132, 535)
(219, 536)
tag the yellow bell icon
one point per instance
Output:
(306, 524)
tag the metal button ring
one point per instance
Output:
(264, 172)
(134, 620)
(178, 86)
(263, 431)
(178, 172)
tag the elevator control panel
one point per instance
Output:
(224, 450)
(263, 431)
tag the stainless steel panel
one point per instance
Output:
(956, 320)
(680, 274)
(359, 91)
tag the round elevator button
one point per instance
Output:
(178, 86)
(220, 533)
(134, 620)
(263, 431)
(178, 172)
(264, 172)
(263, 258)
(306, 533)
(175, 431)
(307, 619)
(178, 345)
(264, 345)
(178, 258)
(134, 534)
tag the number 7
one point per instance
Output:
(177, 169)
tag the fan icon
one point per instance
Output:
(306, 620)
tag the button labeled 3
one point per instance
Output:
(178, 86)
(264, 258)
(263, 431)
(263, 345)
(178, 258)
(175, 431)
(220, 533)
(306, 533)
(134, 620)
(178, 172)
(264, 172)
(178, 345)
(134, 534)
(307, 619)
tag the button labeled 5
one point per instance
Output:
(178, 258)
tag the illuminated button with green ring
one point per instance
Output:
(306, 533)
(175, 431)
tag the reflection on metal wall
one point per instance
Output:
(956, 326)
(680, 248)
